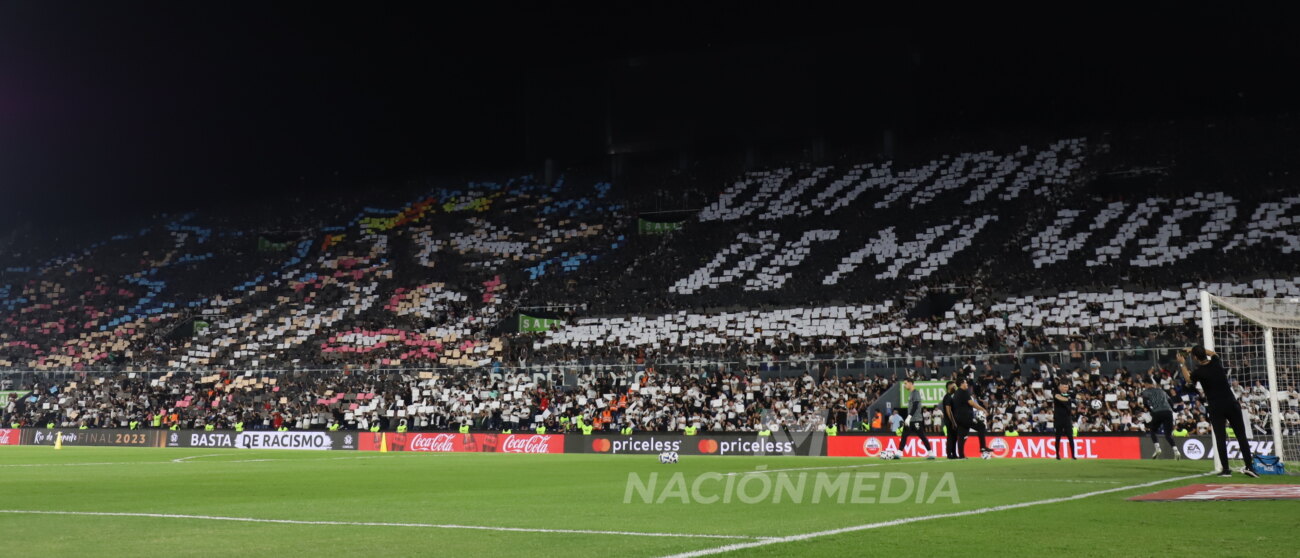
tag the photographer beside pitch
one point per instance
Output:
(1222, 405)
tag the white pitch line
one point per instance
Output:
(859, 466)
(86, 464)
(382, 524)
(763, 471)
(906, 520)
(267, 459)
(1051, 480)
(187, 458)
(294, 460)
(182, 460)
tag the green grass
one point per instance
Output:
(587, 492)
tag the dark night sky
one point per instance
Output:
(105, 105)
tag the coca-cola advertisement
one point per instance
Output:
(531, 443)
(450, 442)
(10, 437)
(440, 443)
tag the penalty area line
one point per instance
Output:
(906, 520)
(380, 524)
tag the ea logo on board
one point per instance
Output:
(1193, 449)
(999, 446)
(871, 446)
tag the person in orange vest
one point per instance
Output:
(876, 421)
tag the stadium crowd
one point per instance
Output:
(606, 399)
(440, 279)
(1007, 256)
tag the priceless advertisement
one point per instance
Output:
(1202, 447)
(455, 442)
(261, 440)
(779, 443)
(10, 437)
(95, 437)
(1030, 447)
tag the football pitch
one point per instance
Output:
(83, 501)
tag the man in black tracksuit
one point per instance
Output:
(1063, 417)
(951, 447)
(965, 407)
(1222, 405)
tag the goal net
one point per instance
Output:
(1258, 340)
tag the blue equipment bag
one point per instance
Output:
(1268, 465)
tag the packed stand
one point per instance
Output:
(608, 400)
(800, 262)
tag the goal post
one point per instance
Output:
(1258, 340)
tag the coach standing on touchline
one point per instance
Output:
(966, 405)
(1222, 405)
